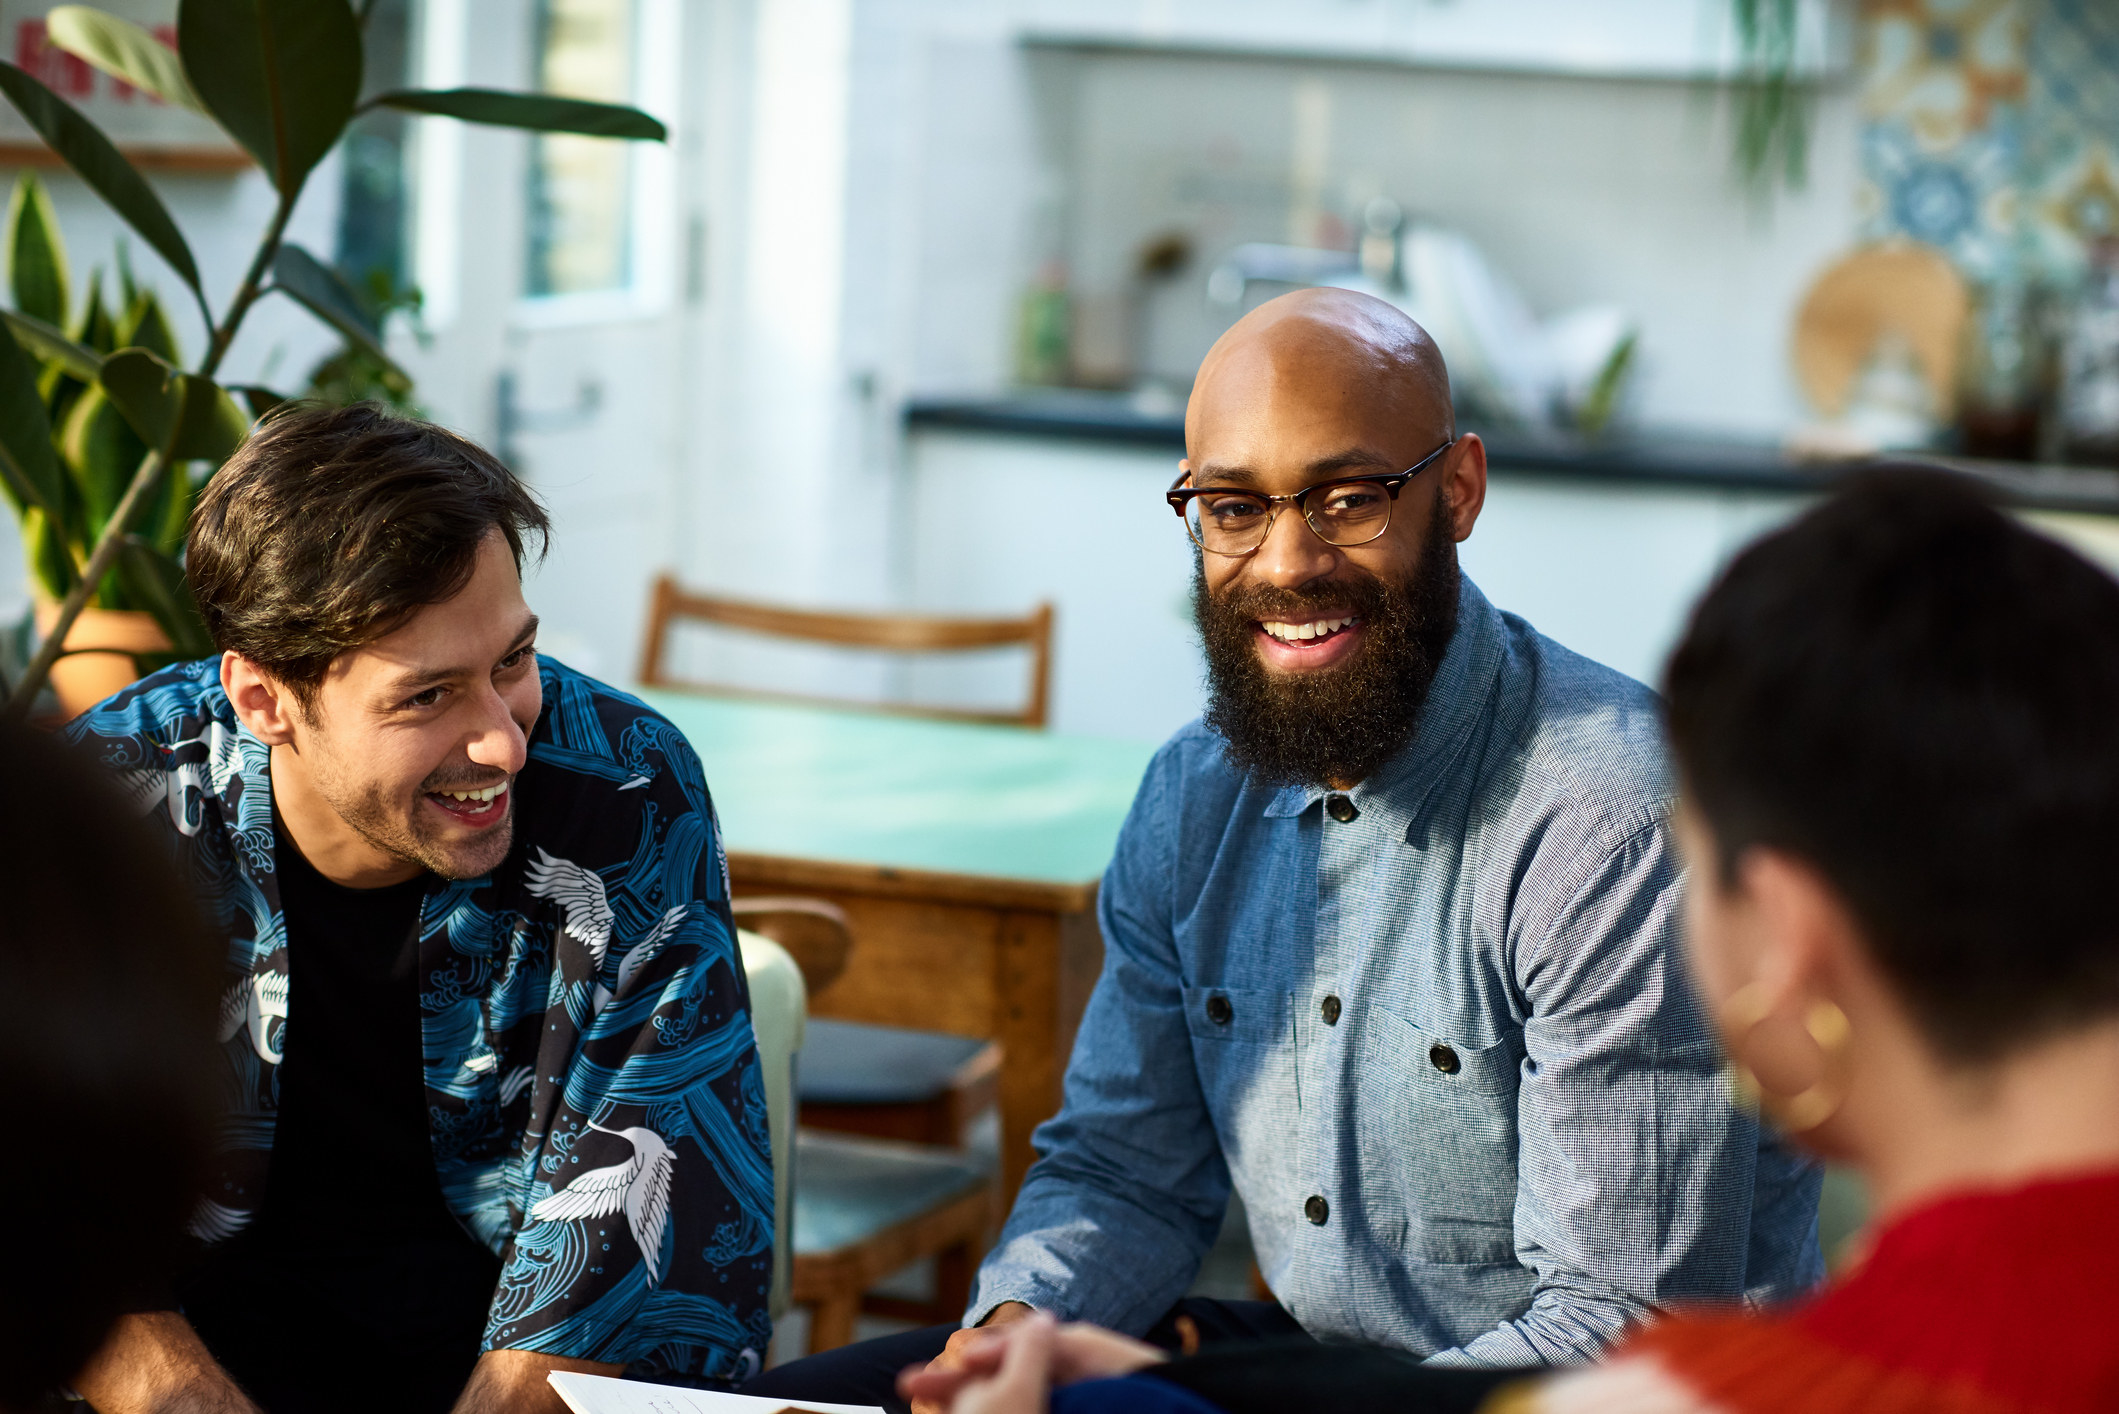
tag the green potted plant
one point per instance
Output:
(283, 79)
(139, 610)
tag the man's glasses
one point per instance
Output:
(1224, 520)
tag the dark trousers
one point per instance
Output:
(867, 1371)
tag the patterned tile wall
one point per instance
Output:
(1992, 131)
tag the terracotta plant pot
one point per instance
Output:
(81, 680)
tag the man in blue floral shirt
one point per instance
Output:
(493, 1101)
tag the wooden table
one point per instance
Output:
(966, 858)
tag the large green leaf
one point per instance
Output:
(123, 50)
(539, 112)
(40, 341)
(155, 581)
(319, 289)
(260, 399)
(281, 75)
(27, 463)
(36, 256)
(189, 415)
(214, 425)
(102, 166)
(147, 392)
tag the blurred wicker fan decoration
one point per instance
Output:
(1893, 288)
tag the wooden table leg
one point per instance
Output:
(1044, 968)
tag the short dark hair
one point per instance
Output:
(1919, 695)
(107, 1061)
(331, 526)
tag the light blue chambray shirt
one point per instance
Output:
(1460, 1019)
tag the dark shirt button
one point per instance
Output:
(1444, 1058)
(1317, 1210)
(1341, 809)
(1330, 1008)
(1218, 1010)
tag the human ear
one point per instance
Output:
(1464, 485)
(262, 704)
(1786, 1029)
(1801, 927)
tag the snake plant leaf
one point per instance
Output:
(98, 331)
(36, 256)
(146, 326)
(85, 149)
(154, 580)
(52, 563)
(102, 452)
(319, 289)
(123, 50)
(28, 465)
(538, 112)
(281, 76)
(39, 340)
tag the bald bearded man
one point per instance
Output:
(1390, 936)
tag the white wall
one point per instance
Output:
(1580, 190)
(1610, 570)
(882, 163)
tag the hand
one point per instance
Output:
(1079, 1351)
(1002, 1372)
(953, 1355)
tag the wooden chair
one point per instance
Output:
(863, 1207)
(897, 633)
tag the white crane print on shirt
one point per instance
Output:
(579, 894)
(256, 1000)
(640, 1186)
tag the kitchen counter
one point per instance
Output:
(1119, 420)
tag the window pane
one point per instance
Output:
(372, 215)
(580, 196)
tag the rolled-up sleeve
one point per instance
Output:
(1635, 1178)
(1130, 1185)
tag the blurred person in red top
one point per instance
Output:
(1896, 725)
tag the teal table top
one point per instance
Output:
(855, 787)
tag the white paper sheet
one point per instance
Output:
(600, 1394)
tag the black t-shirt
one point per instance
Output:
(354, 1286)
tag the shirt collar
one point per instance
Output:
(1457, 698)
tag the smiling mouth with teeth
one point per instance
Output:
(1312, 632)
(474, 807)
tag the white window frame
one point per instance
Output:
(652, 257)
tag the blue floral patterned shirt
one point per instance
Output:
(593, 1089)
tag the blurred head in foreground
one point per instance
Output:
(1897, 727)
(106, 1061)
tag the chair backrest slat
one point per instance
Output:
(896, 633)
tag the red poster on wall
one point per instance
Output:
(152, 132)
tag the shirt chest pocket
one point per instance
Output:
(1453, 1107)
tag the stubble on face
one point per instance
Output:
(1343, 722)
(402, 828)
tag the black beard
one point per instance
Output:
(1343, 722)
